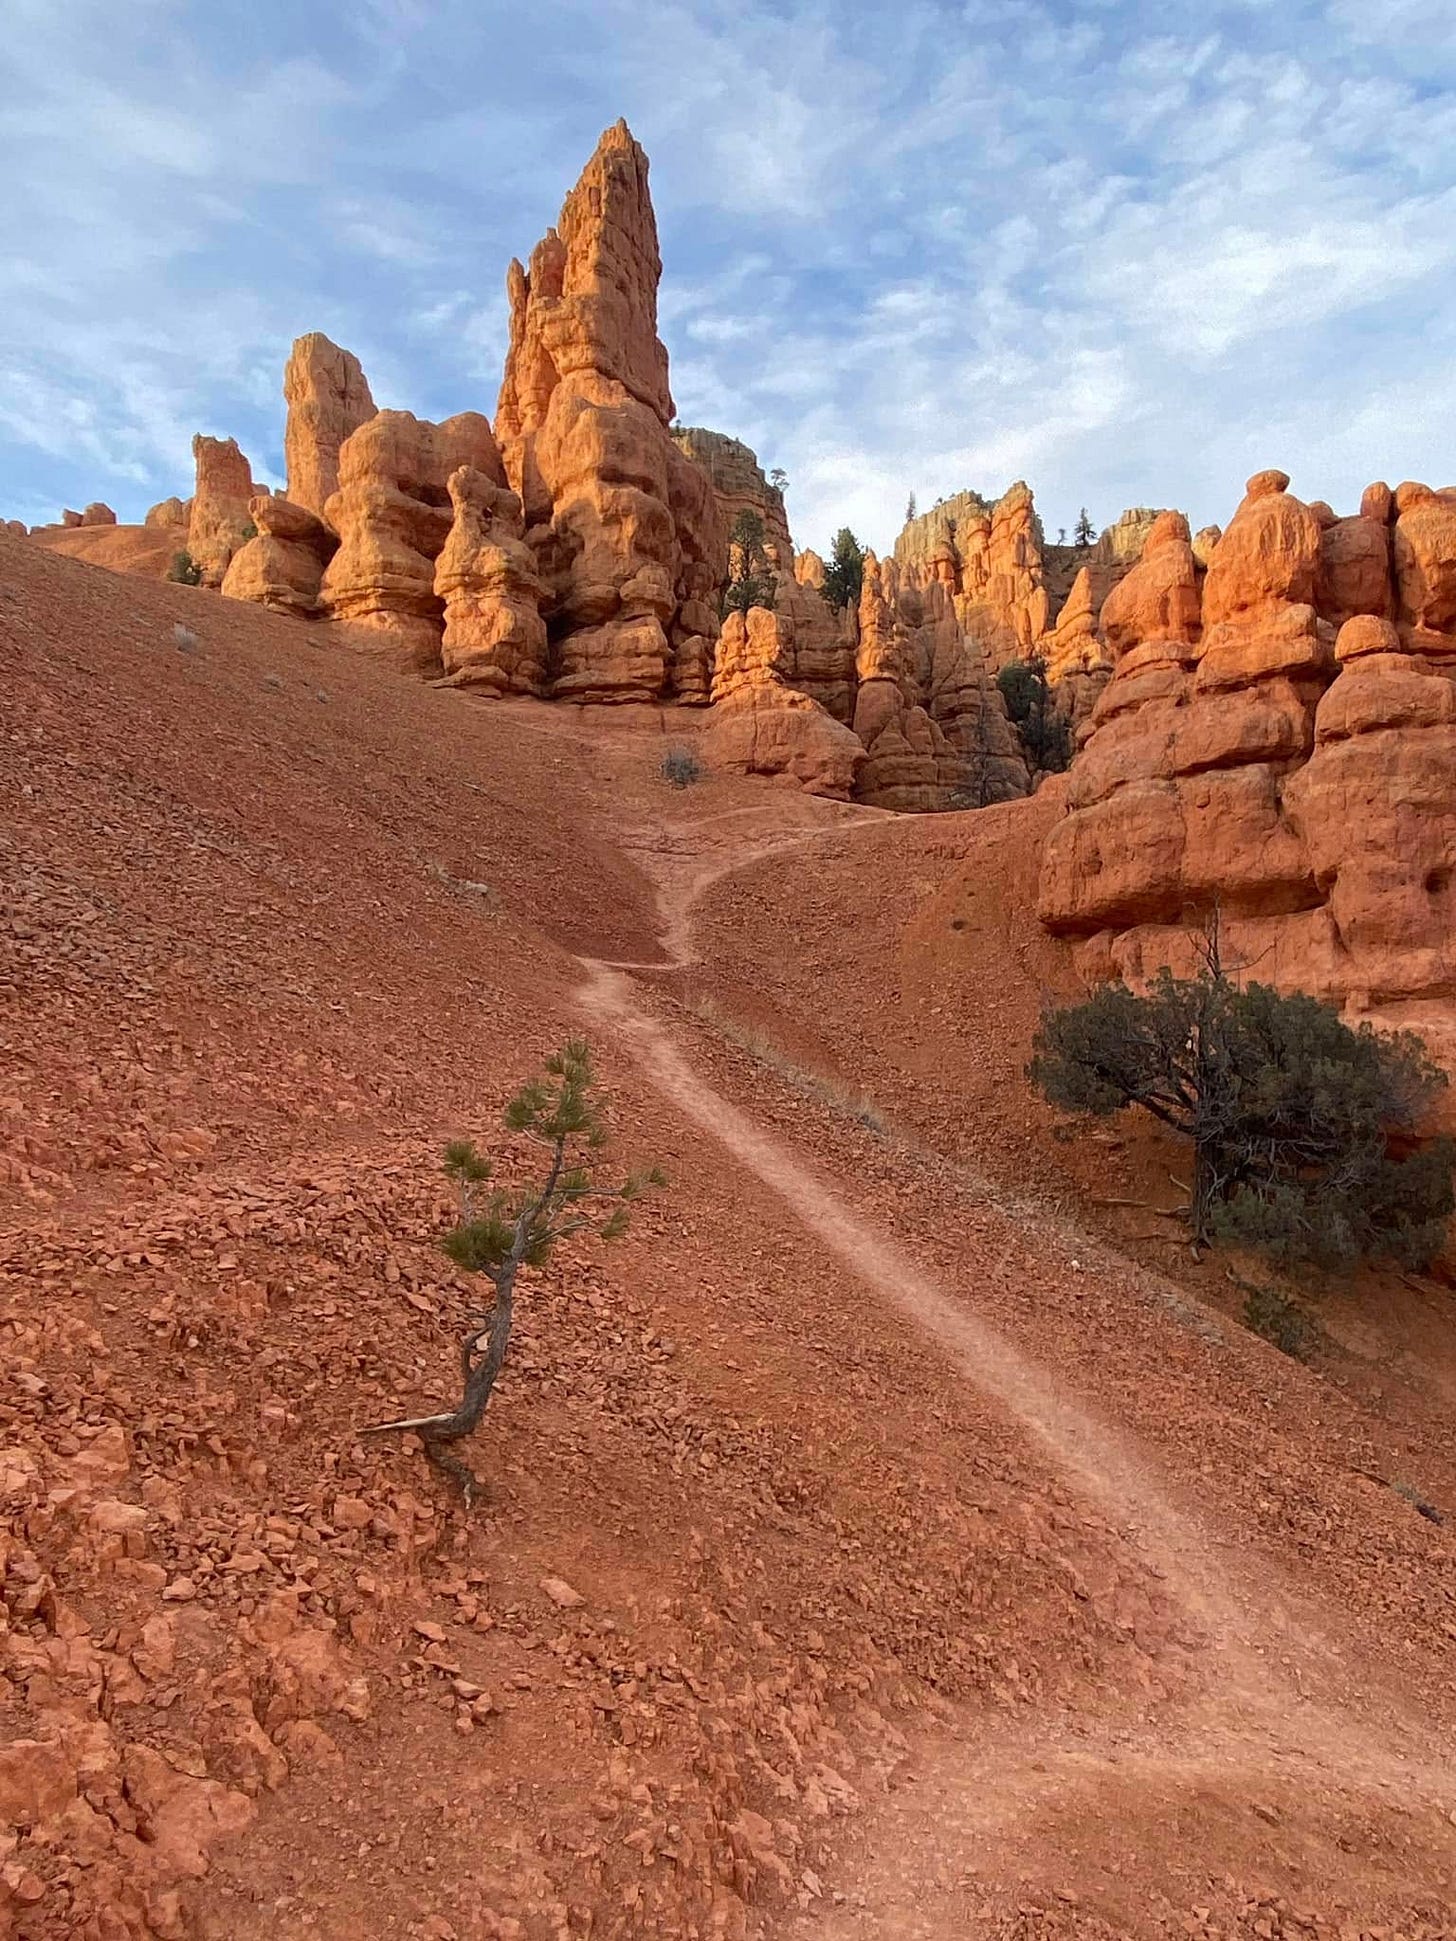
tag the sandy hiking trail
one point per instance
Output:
(1263, 1685)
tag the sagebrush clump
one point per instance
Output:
(681, 768)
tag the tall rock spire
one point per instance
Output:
(328, 397)
(624, 526)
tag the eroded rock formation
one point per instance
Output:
(393, 513)
(495, 638)
(328, 398)
(282, 566)
(1279, 743)
(910, 764)
(220, 517)
(1074, 646)
(739, 486)
(989, 559)
(1159, 598)
(170, 515)
(1424, 549)
(624, 525)
(764, 724)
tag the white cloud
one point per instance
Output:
(1129, 256)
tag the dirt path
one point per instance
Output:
(1247, 1718)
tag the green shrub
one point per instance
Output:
(184, 569)
(1295, 1119)
(844, 575)
(1031, 704)
(1281, 1322)
(681, 768)
(750, 583)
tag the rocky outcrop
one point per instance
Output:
(955, 686)
(1424, 552)
(824, 645)
(739, 486)
(14, 528)
(754, 648)
(1003, 602)
(170, 515)
(624, 526)
(495, 638)
(909, 762)
(779, 731)
(1375, 808)
(328, 398)
(1245, 756)
(761, 725)
(825, 637)
(393, 513)
(1159, 598)
(1078, 663)
(1074, 645)
(1119, 547)
(1020, 598)
(1354, 574)
(988, 557)
(1111, 556)
(1012, 592)
(283, 566)
(220, 519)
(1267, 559)
(932, 542)
(1176, 799)
(98, 514)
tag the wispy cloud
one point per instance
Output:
(1131, 252)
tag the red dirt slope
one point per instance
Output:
(148, 551)
(864, 1480)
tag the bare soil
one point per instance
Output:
(950, 1560)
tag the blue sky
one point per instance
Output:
(1129, 249)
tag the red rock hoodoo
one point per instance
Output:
(393, 514)
(221, 510)
(328, 398)
(1278, 741)
(282, 566)
(624, 525)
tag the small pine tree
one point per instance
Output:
(909, 508)
(1031, 703)
(184, 570)
(778, 478)
(1290, 1112)
(750, 583)
(519, 1227)
(844, 575)
(1085, 532)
